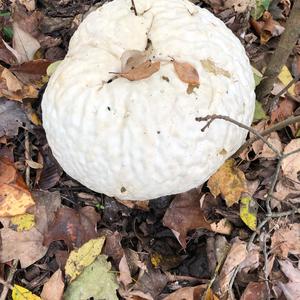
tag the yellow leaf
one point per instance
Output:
(285, 77)
(156, 259)
(23, 222)
(20, 293)
(209, 295)
(51, 69)
(248, 212)
(83, 257)
(228, 181)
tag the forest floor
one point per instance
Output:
(240, 242)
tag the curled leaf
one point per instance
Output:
(142, 71)
(186, 72)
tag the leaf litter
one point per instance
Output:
(164, 248)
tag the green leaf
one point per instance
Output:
(257, 76)
(260, 7)
(7, 33)
(97, 281)
(259, 113)
(51, 68)
(4, 13)
(248, 212)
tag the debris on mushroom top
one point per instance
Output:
(119, 111)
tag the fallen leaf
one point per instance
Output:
(83, 257)
(184, 214)
(12, 116)
(228, 181)
(222, 227)
(251, 262)
(186, 72)
(209, 295)
(6, 54)
(266, 151)
(73, 227)
(248, 211)
(237, 254)
(291, 164)
(142, 71)
(259, 113)
(22, 222)
(131, 59)
(260, 7)
(258, 76)
(52, 67)
(29, 4)
(151, 282)
(255, 290)
(53, 289)
(240, 6)
(286, 240)
(24, 43)
(12, 88)
(125, 276)
(113, 247)
(21, 293)
(284, 110)
(291, 289)
(35, 67)
(96, 281)
(27, 246)
(285, 77)
(15, 197)
(47, 203)
(211, 67)
(188, 293)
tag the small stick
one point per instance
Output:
(27, 157)
(133, 7)
(265, 269)
(211, 118)
(10, 276)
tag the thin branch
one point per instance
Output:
(211, 118)
(285, 46)
(265, 269)
(10, 277)
(133, 7)
(276, 127)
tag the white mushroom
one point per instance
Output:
(139, 139)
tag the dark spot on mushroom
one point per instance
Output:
(149, 43)
(165, 78)
(109, 81)
(108, 108)
(123, 190)
(298, 175)
(223, 152)
(158, 132)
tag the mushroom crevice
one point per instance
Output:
(138, 139)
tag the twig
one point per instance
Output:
(4, 283)
(10, 276)
(285, 213)
(286, 44)
(265, 269)
(276, 127)
(133, 7)
(27, 158)
(211, 118)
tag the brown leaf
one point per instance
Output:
(142, 71)
(286, 240)
(188, 293)
(131, 59)
(24, 43)
(291, 289)
(186, 73)
(15, 197)
(6, 54)
(12, 116)
(228, 181)
(275, 141)
(237, 254)
(284, 110)
(27, 246)
(73, 227)
(125, 276)
(142, 205)
(36, 67)
(291, 164)
(185, 214)
(54, 288)
(113, 247)
(255, 290)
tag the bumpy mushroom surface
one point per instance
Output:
(139, 139)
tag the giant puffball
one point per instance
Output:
(139, 139)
